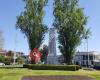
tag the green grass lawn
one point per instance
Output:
(17, 73)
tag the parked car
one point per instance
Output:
(97, 66)
(2, 64)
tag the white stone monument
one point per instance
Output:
(52, 56)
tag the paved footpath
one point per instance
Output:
(70, 77)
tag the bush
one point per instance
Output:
(2, 58)
(52, 67)
(25, 65)
(21, 60)
(7, 62)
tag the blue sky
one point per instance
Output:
(9, 9)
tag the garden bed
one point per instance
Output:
(70, 77)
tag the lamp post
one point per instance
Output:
(87, 51)
(14, 57)
(86, 36)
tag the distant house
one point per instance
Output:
(3, 52)
(11, 53)
(86, 58)
(19, 54)
(83, 58)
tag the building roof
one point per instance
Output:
(85, 53)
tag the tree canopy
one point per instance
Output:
(70, 22)
(30, 22)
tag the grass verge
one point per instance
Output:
(18, 73)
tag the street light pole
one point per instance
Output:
(87, 52)
(14, 58)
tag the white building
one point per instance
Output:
(86, 58)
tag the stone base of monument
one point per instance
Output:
(52, 60)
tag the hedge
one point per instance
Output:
(11, 66)
(52, 67)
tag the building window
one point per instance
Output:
(85, 57)
(92, 62)
(90, 57)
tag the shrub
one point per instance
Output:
(52, 67)
(7, 62)
(2, 58)
(25, 65)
